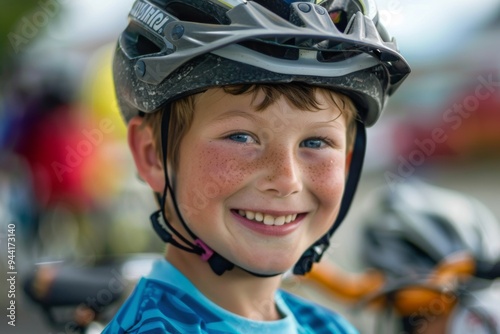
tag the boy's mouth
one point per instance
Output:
(266, 218)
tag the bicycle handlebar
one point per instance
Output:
(348, 286)
(407, 294)
(487, 270)
(53, 286)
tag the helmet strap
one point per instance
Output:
(316, 251)
(217, 262)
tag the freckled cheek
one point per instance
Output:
(214, 172)
(327, 180)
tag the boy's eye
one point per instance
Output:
(313, 143)
(241, 138)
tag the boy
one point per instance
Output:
(247, 120)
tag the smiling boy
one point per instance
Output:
(257, 110)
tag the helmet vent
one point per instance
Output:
(146, 46)
(339, 18)
(272, 50)
(138, 43)
(185, 12)
(334, 56)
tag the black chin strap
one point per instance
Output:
(217, 263)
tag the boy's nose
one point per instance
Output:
(282, 176)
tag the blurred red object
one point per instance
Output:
(467, 127)
(53, 147)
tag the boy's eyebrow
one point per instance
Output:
(332, 121)
(235, 113)
(331, 124)
(254, 117)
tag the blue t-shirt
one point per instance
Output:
(167, 302)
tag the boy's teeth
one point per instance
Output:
(249, 214)
(267, 219)
(279, 220)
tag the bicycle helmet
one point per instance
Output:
(432, 244)
(174, 48)
(417, 225)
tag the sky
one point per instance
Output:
(420, 26)
(425, 28)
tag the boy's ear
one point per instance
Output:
(143, 147)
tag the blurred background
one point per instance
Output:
(443, 124)
(67, 180)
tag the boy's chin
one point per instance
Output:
(268, 269)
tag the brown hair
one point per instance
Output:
(299, 95)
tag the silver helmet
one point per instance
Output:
(415, 225)
(173, 48)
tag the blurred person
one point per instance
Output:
(57, 121)
(44, 132)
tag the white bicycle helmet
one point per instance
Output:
(416, 225)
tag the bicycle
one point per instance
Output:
(447, 289)
(430, 272)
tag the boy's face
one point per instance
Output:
(282, 165)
